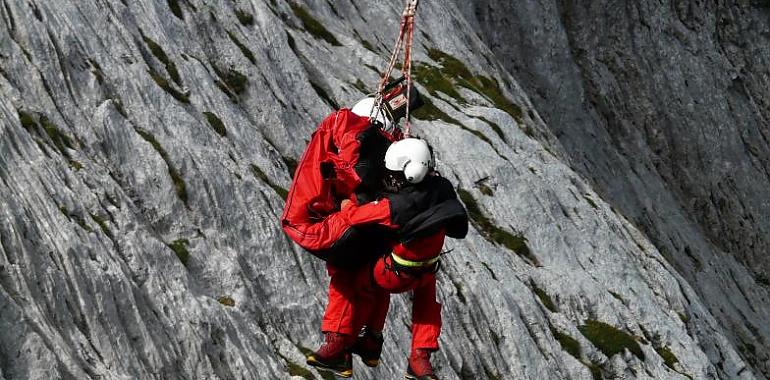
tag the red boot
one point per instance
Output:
(419, 366)
(334, 355)
(369, 347)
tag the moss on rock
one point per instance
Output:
(179, 184)
(216, 123)
(226, 300)
(179, 247)
(567, 343)
(313, 26)
(166, 86)
(668, 357)
(245, 18)
(283, 193)
(493, 233)
(452, 73)
(244, 49)
(161, 55)
(610, 340)
(544, 298)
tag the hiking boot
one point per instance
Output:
(368, 346)
(419, 367)
(333, 355)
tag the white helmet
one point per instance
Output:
(364, 109)
(410, 155)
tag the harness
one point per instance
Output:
(413, 264)
(401, 266)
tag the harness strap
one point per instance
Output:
(413, 264)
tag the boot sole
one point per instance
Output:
(411, 377)
(312, 361)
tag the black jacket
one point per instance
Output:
(425, 208)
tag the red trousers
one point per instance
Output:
(361, 297)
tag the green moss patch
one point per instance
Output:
(245, 18)
(226, 300)
(179, 247)
(484, 188)
(27, 121)
(166, 86)
(324, 95)
(216, 123)
(544, 298)
(312, 25)
(495, 127)
(175, 8)
(295, 369)
(96, 69)
(493, 233)
(59, 138)
(430, 112)
(161, 55)
(45, 128)
(360, 86)
(491, 375)
(291, 165)
(567, 343)
(590, 201)
(102, 224)
(596, 371)
(668, 357)
(572, 347)
(609, 339)
(75, 218)
(283, 193)
(179, 184)
(762, 279)
(245, 50)
(452, 72)
(435, 81)
(231, 81)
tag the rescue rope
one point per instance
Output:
(404, 40)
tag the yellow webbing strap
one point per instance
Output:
(413, 264)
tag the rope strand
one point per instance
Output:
(405, 39)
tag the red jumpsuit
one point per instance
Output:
(327, 173)
(362, 297)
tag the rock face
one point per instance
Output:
(614, 158)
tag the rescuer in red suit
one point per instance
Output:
(424, 207)
(344, 161)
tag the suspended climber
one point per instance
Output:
(366, 199)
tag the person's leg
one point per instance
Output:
(426, 315)
(371, 311)
(337, 325)
(340, 310)
(426, 328)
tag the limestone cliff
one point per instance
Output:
(613, 156)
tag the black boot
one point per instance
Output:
(368, 346)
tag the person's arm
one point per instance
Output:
(345, 138)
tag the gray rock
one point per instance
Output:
(145, 146)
